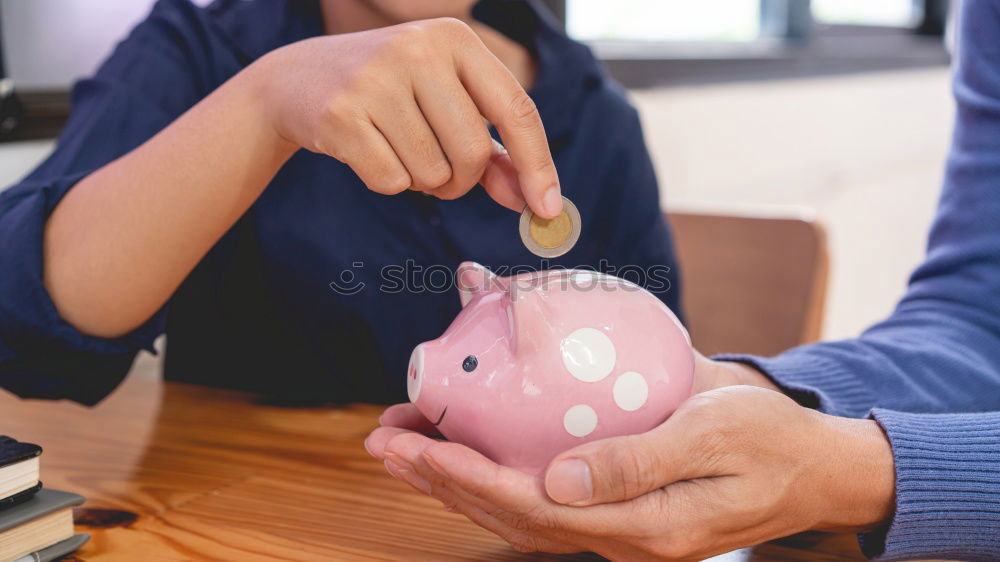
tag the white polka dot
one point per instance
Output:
(415, 373)
(580, 420)
(630, 391)
(588, 354)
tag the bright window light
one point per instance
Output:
(898, 13)
(663, 20)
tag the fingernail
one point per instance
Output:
(397, 460)
(405, 456)
(569, 482)
(434, 464)
(407, 475)
(552, 201)
(367, 448)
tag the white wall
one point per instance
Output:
(865, 151)
(19, 158)
(48, 44)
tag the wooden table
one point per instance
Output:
(181, 472)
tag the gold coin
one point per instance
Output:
(550, 233)
(551, 238)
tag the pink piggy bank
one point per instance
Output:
(540, 362)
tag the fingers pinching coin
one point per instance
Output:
(550, 238)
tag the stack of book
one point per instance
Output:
(36, 525)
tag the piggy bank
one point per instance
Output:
(537, 363)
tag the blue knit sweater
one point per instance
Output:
(930, 373)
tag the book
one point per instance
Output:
(18, 497)
(56, 551)
(37, 523)
(18, 471)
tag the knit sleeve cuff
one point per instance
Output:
(813, 380)
(947, 487)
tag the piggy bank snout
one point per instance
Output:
(415, 373)
(424, 386)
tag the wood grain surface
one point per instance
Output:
(182, 472)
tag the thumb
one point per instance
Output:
(500, 179)
(620, 468)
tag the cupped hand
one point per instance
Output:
(733, 467)
(404, 107)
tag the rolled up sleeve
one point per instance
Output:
(152, 77)
(41, 355)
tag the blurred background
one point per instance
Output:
(838, 108)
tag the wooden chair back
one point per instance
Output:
(750, 284)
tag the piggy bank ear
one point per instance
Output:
(527, 312)
(473, 279)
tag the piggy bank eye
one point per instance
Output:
(470, 363)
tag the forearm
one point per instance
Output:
(918, 361)
(122, 240)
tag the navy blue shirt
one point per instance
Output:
(260, 312)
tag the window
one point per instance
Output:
(663, 20)
(657, 42)
(892, 13)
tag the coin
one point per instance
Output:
(550, 238)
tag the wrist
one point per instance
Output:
(741, 373)
(258, 81)
(857, 475)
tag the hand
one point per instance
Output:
(403, 106)
(710, 374)
(732, 467)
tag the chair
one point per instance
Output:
(751, 284)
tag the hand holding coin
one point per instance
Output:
(550, 238)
